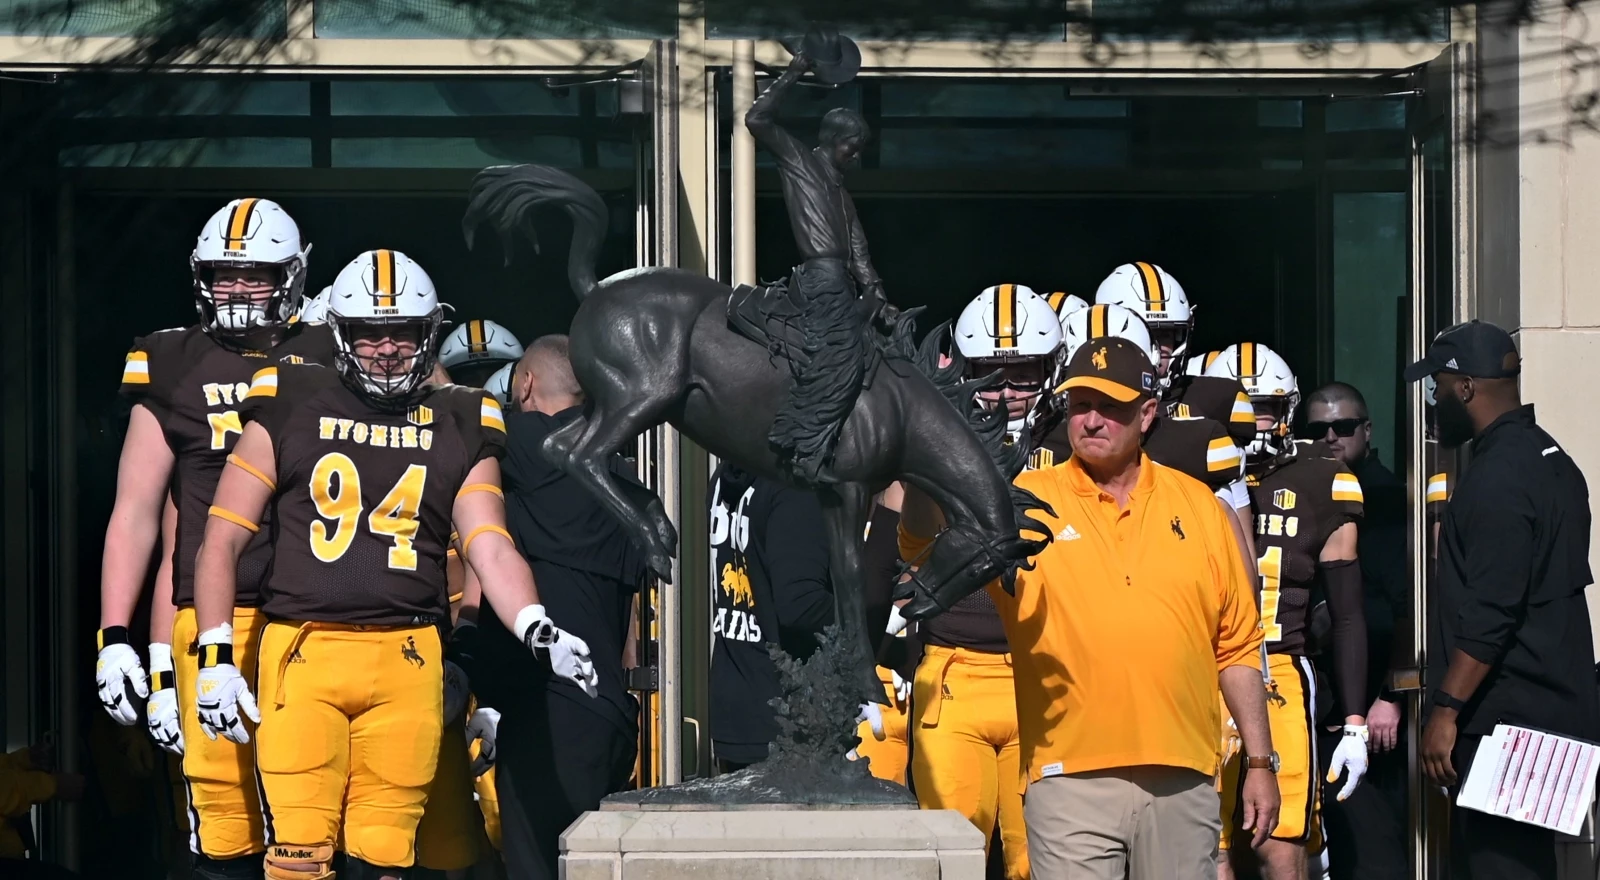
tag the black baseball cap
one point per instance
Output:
(1113, 366)
(1472, 348)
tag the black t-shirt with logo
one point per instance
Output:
(771, 587)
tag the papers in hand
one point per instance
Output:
(1533, 777)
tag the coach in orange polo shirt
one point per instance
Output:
(1121, 635)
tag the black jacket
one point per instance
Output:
(1513, 566)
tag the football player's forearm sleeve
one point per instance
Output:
(1345, 603)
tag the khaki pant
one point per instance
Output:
(1142, 823)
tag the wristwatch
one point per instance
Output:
(1444, 700)
(1264, 762)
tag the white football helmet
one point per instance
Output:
(478, 342)
(388, 289)
(249, 234)
(1159, 299)
(1066, 303)
(1196, 366)
(1099, 321)
(315, 308)
(1010, 327)
(1268, 380)
(500, 384)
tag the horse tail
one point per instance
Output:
(508, 196)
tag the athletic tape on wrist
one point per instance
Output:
(216, 655)
(111, 635)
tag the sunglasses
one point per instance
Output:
(1340, 427)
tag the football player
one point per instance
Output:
(1065, 304)
(1306, 506)
(365, 466)
(475, 350)
(187, 387)
(966, 753)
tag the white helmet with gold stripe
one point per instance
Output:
(249, 234)
(385, 317)
(479, 341)
(1196, 366)
(1099, 321)
(315, 308)
(1008, 327)
(1159, 300)
(1065, 304)
(499, 384)
(1271, 385)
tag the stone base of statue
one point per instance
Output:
(777, 842)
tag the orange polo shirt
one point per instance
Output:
(1120, 630)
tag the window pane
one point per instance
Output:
(968, 148)
(240, 152)
(1011, 100)
(455, 152)
(1366, 115)
(1286, 21)
(450, 98)
(170, 96)
(1369, 285)
(509, 19)
(1280, 114)
(116, 18)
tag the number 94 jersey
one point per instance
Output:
(1299, 500)
(362, 512)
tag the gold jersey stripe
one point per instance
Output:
(239, 224)
(1438, 488)
(264, 383)
(136, 369)
(1346, 488)
(491, 415)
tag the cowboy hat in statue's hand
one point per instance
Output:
(835, 58)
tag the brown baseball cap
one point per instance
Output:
(1113, 366)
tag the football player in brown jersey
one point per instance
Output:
(1306, 506)
(366, 467)
(187, 386)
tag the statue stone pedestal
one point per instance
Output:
(712, 842)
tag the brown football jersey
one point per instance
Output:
(1212, 397)
(195, 387)
(1197, 447)
(1299, 501)
(361, 517)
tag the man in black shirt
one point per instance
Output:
(771, 588)
(559, 752)
(1367, 832)
(1509, 629)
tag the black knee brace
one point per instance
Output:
(241, 868)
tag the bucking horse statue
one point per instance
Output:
(654, 345)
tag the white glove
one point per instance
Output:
(569, 655)
(119, 665)
(1349, 755)
(456, 692)
(902, 689)
(483, 726)
(897, 622)
(221, 693)
(872, 713)
(161, 712)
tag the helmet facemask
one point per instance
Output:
(1024, 385)
(1279, 438)
(1177, 335)
(386, 359)
(236, 314)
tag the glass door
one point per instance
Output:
(1441, 261)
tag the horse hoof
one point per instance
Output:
(661, 566)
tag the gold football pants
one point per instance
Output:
(225, 820)
(351, 721)
(968, 757)
(1291, 696)
(888, 758)
(447, 836)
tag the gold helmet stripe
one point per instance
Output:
(1247, 359)
(475, 337)
(1005, 316)
(1097, 321)
(1057, 300)
(1153, 292)
(239, 224)
(383, 278)
(1211, 358)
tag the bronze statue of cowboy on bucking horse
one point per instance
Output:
(788, 381)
